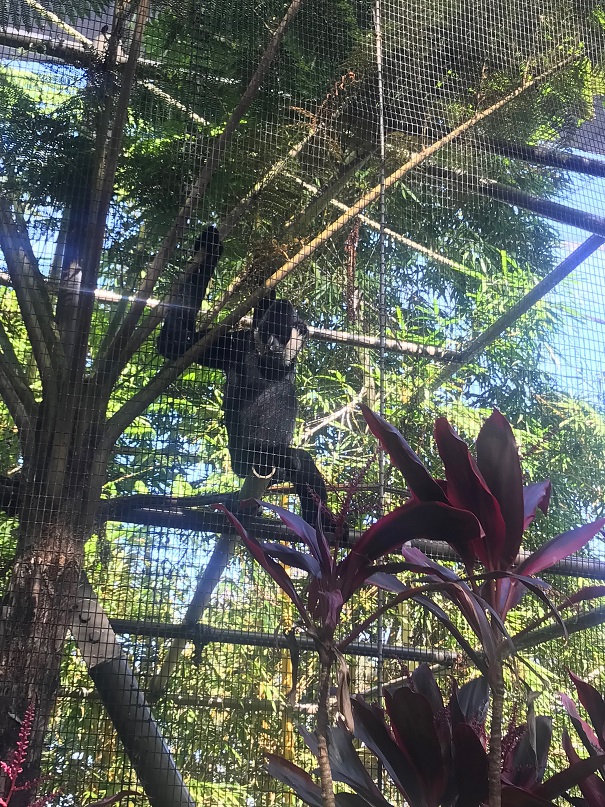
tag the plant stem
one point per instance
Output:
(495, 736)
(325, 773)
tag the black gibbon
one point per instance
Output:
(259, 364)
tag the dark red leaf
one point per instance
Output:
(473, 611)
(528, 763)
(536, 586)
(473, 700)
(414, 519)
(423, 681)
(272, 568)
(535, 496)
(431, 520)
(431, 567)
(441, 615)
(291, 775)
(470, 766)
(560, 547)
(584, 593)
(592, 700)
(387, 582)
(316, 542)
(419, 480)
(292, 557)
(468, 490)
(372, 730)
(517, 797)
(580, 773)
(498, 461)
(345, 763)
(511, 592)
(331, 603)
(413, 725)
(590, 741)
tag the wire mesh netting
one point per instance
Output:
(224, 227)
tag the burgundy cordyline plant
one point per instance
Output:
(332, 582)
(491, 489)
(434, 752)
(592, 737)
(481, 509)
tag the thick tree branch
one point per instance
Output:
(104, 183)
(14, 389)
(122, 348)
(82, 53)
(11, 394)
(10, 496)
(15, 371)
(32, 296)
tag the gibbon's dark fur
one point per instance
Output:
(259, 365)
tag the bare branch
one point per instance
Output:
(324, 197)
(333, 416)
(103, 190)
(548, 283)
(10, 392)
(60, 23)
(231, 219)
(32, 296)
(376, 343)
(119, 351)
(14, 388)
(159, 309)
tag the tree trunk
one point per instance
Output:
(323, 723)
(42, 591)
(495, 735)
(59, 494)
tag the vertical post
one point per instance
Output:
(125, 703)
(382, 318)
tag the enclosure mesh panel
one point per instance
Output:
(405, 176)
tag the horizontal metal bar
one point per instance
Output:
(205, 634)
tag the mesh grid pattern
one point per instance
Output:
(405, 176)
